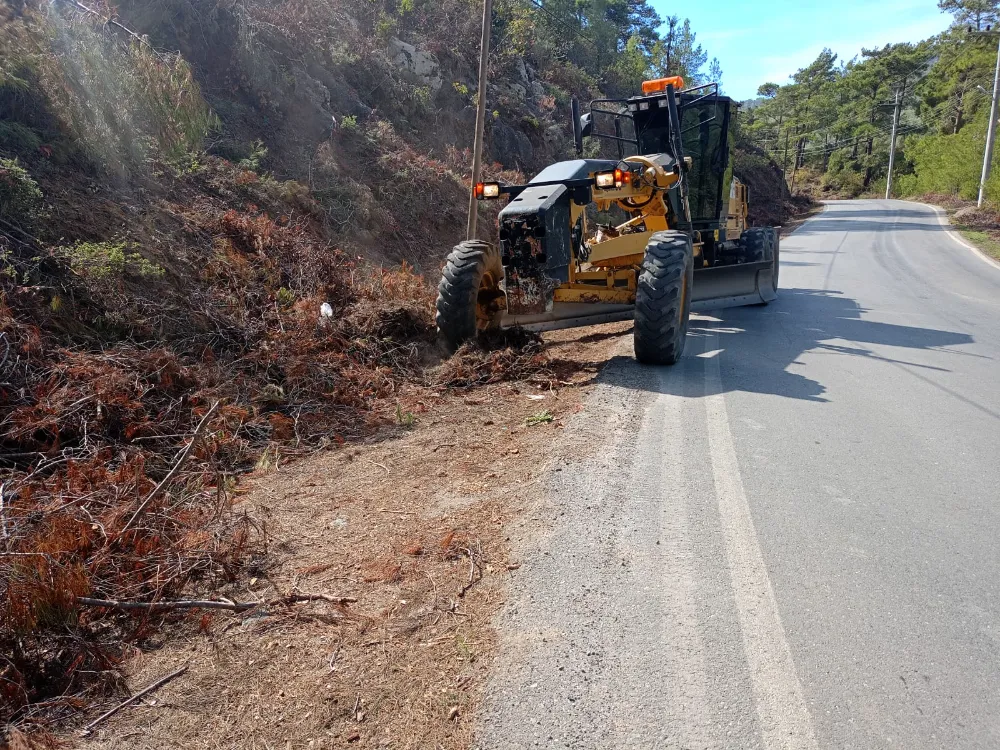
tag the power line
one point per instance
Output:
(577, 31)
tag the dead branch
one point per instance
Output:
(32, 241)
(383, 467)
(178, 465)
(292, 598)
(3, 511)
(211, 604)
(142, 40)
(473, 567)
(145, 691)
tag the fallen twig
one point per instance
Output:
(3, 511)
(145, 691)
(381, 466)
(179, 462)
(473, 567)
(212, 604)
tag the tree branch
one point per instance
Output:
(178, 465)
(210, 604)
(145, 691)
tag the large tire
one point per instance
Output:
(663, 299)
(755, 244)
(469, 294)
(775, 253)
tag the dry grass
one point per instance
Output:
(94, 415)
(413, 528)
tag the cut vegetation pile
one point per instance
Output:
(285, 346)
(497, 357)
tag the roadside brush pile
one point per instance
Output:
(498, 357)
(170, 320)
(119, 452)
(135, 387)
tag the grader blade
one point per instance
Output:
(714, 289)
(569, 315)
(733, 286)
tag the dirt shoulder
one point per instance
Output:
(799, 219)
(411, 529)
(979, 226)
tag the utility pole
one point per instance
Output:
(784, 161)
(477, 148)
(992, 131)
(892, 143)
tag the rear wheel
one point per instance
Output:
(776, 247)
(754, 244)
(663, 299)
(760, 244)
(469, 295)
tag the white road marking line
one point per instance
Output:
(710, 354)
(781, 709)
(689, 717)
(942, 217)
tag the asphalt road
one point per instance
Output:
(791, 538)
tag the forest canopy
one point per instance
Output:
(834, 118)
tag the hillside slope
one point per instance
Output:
(184, 187)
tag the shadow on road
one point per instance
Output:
(840, 223)
(884, 213)
(760, 347)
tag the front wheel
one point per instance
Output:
(663, 299)
(469, 295)
(775, 252)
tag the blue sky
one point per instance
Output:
(770, 40)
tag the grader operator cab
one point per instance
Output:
(683, 244)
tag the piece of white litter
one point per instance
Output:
(325, 311)
(536, 398)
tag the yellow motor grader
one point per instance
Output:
(683, 242)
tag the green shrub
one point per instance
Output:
(123, 104)
(258, 152)
(18, 139)
(20, 196)
(422, 96)
(104, 260)
(949, 164)
(349, 122)
(385, 27)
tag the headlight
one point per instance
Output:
(487, 190)
(614, 179)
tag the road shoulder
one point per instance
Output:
(979, 242)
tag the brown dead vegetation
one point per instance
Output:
(105, 376)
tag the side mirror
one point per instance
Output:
(582, 126)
